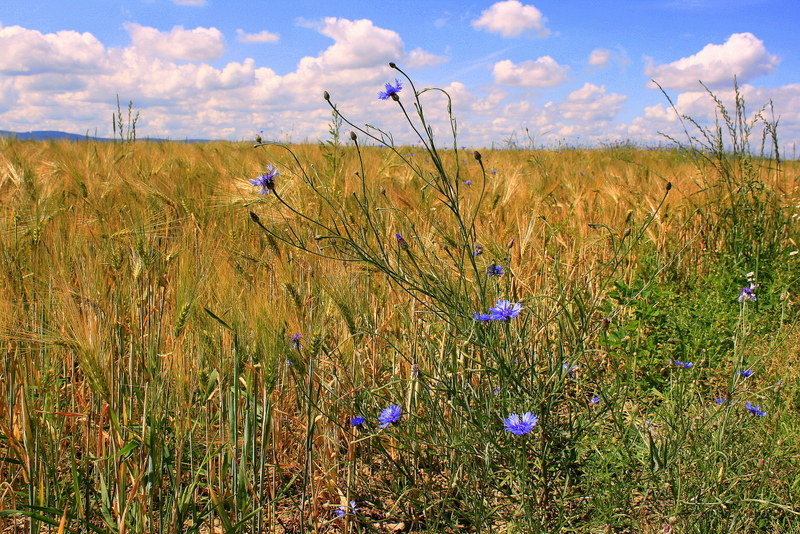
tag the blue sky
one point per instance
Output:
(576, 72)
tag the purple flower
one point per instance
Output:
(495, 270)
(482, 317)
(746, 374)
(505, 310)
(266, 181)
(401, 241)
(746, 294)
(755, 410)
(520, 426)
(391, 90)
(390, 415)
(570, 370)
(343, 510)
(478, 250)
(686, 365)
(720, 400)
(594, 400)
(357, 420)
(295, 341)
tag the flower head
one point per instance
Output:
(755, 410)
(357, 420)
(343, 510)
(686, 365)
(746, 373)
(266, 181)
(295, 341)
(746, 294)
(482, 317)
(391, 90)
(520, 426)
(495, 270)
(401, 241)
(594, 400)
(478, 250)
(505, 310)
(390, 415)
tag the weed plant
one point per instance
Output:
(359, 336)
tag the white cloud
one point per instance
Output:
(178, 44)
(742, 55)
(600, 58)
(260, 37)
(591, 103)
(420, 59)
(359, 44)
(29, 52)
(544, 72)
(512, 19)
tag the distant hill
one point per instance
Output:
(44, 135)
(48, 134)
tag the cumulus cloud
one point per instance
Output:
(512, 19)
(742, 55)
(600, 58)
(591, 103)
(544, 72)
(359, 44)
(178, 44)
(420, 59)
(29, 52)
(260, 37)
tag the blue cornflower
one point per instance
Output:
(720, 400)
(570, 370)
(266, 181)
(295, 341)
(343, 510)
(504, 310)
(594, 400)
(755, 410)
(746, 373)
(482, 317)
(494, 270)
(357, 420)
(390, 415)
(746, 294)
(686, 365)
(520, 426)
(391, 90)
(401, 241)
(478, 250)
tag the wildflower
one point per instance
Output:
(496, 390)
(391, 90)
(520, 426)
(755, 410)
(570, 370)
(294, 341)
(402, 242)
(468, 182)
(720, 400)
(357, 421)
(343, 510)
(594, 400)
(494, 270)
(504, 310)
(482, 317)
(266, 181)
(747, 294)
(747, 373)
(478, 250)
(686, 365)
(390, 415)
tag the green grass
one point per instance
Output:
(148, 382)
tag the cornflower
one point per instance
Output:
(686, 365)
(504, 310)
(495, 270)
(746, 294)
(295, 341)
(755, 410)
(519, 426)
(343, 510)
(391, 91)
(390, 415)
(357, 421)
(266, 181)
(746, 373)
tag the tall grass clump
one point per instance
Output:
(368, 336)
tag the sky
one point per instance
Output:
(543, 73)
